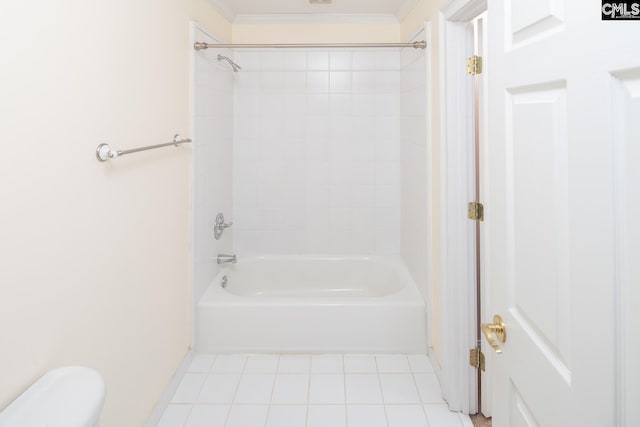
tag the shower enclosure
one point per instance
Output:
(319, 156)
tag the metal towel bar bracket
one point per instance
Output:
(104, 152)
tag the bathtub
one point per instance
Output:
(291, 304)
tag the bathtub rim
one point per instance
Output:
(408, 294)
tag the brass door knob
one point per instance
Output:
(497, 328)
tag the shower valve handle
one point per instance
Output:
(220, 226)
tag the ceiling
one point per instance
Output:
(233, 8)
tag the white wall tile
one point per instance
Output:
(272, 60)
(295, 60)
(311, 128)
(387, 59)
(340, 82)
(340, 60)
(364, 81)
(318, 60)
(248, 60)
(364, 60)
(318, 82)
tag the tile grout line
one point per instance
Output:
(192, 404)
(344, 385)
(246, 360)
(306, 418)
(384, 405)
(415, 383)
(273, 386)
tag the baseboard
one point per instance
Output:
(162, 404)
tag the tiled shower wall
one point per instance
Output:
(316, 152)
(415, 161)
(212, 161)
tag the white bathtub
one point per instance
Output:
(289, 304)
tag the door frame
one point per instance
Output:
(457, 187)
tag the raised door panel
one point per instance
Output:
(538, 256)
(626, 127)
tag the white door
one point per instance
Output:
(562, 213)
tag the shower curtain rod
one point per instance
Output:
(201, 45)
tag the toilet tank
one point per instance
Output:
(66, 397)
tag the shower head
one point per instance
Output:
(235, 66)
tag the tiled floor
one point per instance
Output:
(270, 390)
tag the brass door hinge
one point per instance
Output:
(474, 65)
(476, 358)
(475, 211)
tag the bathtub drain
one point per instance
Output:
(223, 282)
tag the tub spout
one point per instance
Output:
(224, 259)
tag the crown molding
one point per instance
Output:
(405, 8)
(221, 6)
(323, 18)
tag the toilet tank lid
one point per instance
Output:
(67, 397)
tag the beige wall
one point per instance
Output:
(427, 10)
(94, 258)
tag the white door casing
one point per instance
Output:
(457, 188)
(563, 88)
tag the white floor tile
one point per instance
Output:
(189, 388)
(366, 416)
(360, 364)
(399, 388)
(174, 416)
(420, 363)
(363, 388)
(261, 364)
(229, 364)
(439, 415)
(219, 388)
(393, 364)
(254, 388)
(326, 416)
(247, 416)
(287, 416)
(327, 364)
(207, 416)
(290, 389)
(429, 388)
(408, 416)
(294, 364)
(326, 388)
(201, 363)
